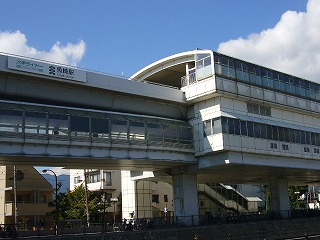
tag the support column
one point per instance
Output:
(279, 196)
(185, 195)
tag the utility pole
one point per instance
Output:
(86, 195)
(15, 195)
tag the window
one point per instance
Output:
(238, 127)
(137, 130)
(107, 178)
(273, 145)
(35, 122)
(242, 71)
(165, 198)
(185, 134)
(58, 124)
(316, 150)
(154, 131)
(79, 124)
(224, 123)
(76, 179)
(243, 127)
(306, 149)
(224, 66)
(207, 128)
(119, 129)
(170, 131)
(10, 120)
(155, 198)
(94, 177)
(99, 125)
(216, 126)
(254, 74)
(259, 109)
(285, 147)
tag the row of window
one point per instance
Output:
(259, 109)
(259, 130)
(155, 198)
(94, 177)
(74, 123)
(256, 75)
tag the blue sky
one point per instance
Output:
(124, 36)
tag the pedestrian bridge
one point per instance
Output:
(72, 137)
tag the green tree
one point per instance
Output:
(72, 205)
(294, 193)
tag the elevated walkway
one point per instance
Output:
(31, 133)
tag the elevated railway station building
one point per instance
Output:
(195, 117)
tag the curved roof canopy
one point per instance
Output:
(169, 70)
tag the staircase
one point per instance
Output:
(225, 196)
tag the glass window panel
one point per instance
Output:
(303, 137)
(313, 138)
(10, 120)
(136, 127)
(269, 132)
(232, 73)
(185, 133)
(291, 135)
(35, 122)
(79, 124)
(216, 126)
(119, 129)
(243, 126)
(224, 123)
(58, 124)
(257, 132)
(317, 139)
(207, 128)
(230, 126)
(263, 131)
(275, 133)
(308, 138)
(107, 178)
(154, 132)
(94, 177)
(281, 133)
(207, 61)
(250, 129)
(199, 64)
(170, 131)
(286, 135)
(236, 123)
(154, 129)
(297, 136)
(99, 125)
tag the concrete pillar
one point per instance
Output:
(185, 196)
(279, 196)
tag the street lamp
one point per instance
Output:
(57, 208)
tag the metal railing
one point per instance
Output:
(262, 226)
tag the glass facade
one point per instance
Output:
(239, 127)
(93, 125)
(242, 71)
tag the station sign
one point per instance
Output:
(47, 69)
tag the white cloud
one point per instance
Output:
(292, 46)
(16, 43)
